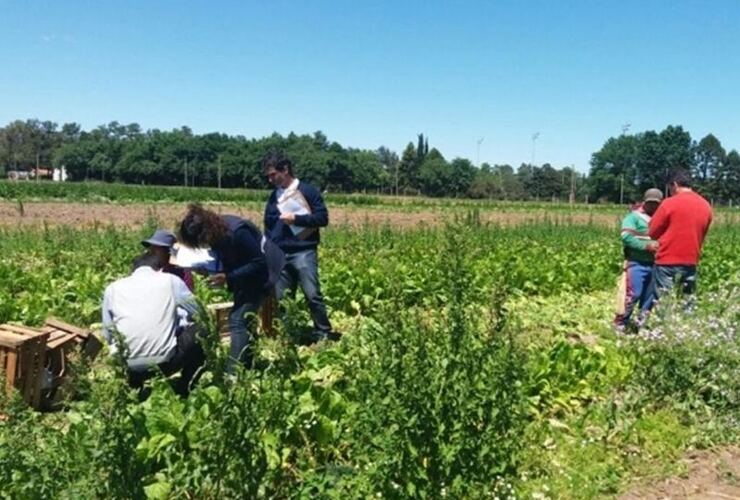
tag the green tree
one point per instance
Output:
(708, 167)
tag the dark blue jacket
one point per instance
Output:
(242, 259)
(280, 232)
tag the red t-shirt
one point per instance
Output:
(680, 225)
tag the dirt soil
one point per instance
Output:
(711, 475)
(136, 214)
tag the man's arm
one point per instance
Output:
(319, 216)
(108, 323)
(631, 237)
(183, 296)
(250, 248)
(272, 214)
(659, 223)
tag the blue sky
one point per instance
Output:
(372, 73)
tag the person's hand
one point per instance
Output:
(217, 280)
(652, 247)
(288, 218)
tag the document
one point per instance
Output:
(295, 203)
(194, 258)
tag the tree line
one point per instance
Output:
(620, 171)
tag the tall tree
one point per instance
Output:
(709, 158)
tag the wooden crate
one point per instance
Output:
(65, 341)
(41, 383)
(220, 314)
(22, 360)
(267, 315)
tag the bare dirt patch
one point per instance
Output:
(711, 475)
(137, 214)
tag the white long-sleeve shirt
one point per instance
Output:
(143, 308)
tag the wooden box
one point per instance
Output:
(22, 360)
(267, 316)
(37, 360)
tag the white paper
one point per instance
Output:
(194, 258)
(294, 204)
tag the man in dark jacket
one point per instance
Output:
(294, 213)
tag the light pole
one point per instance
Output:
(535, 136)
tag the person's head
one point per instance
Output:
(278, 169)
(160, 244)
(680, 178)
(146, 259)
(201, 227)
(651, 200)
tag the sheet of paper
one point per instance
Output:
(194, 258)
(295, 204)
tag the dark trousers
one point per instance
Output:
(187, 358)
(302, 268)
(242, 327)
(669, 277)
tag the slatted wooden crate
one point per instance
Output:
(22, 360)
(220, 314)
(267, 315)
(65, 341)
(40, 376)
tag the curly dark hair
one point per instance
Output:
(201, 227)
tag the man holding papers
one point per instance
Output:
(294, 213)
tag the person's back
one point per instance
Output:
(680, 225)
(142, 307)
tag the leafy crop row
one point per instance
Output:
(476, 362)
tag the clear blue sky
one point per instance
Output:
(372, 73)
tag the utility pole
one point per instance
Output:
(37, 165)
(625, 128)
(219, 171)
(477, 151)
(621, 189)
(185, 173)
(572, 197)
(535, 136)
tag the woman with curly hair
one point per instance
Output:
(236, 243)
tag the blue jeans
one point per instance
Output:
(242, 326)
(639, 291)
(302, 268)
(668, 276)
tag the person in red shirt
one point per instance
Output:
(679, 225)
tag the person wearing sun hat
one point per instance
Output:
(161, 244)
(636, 288)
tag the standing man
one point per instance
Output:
(293, 215)
(639, 252)
(679, 225)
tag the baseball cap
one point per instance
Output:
(653, 194)
(160, 238)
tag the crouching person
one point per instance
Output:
(143, 308)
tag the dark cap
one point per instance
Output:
(160, 238)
